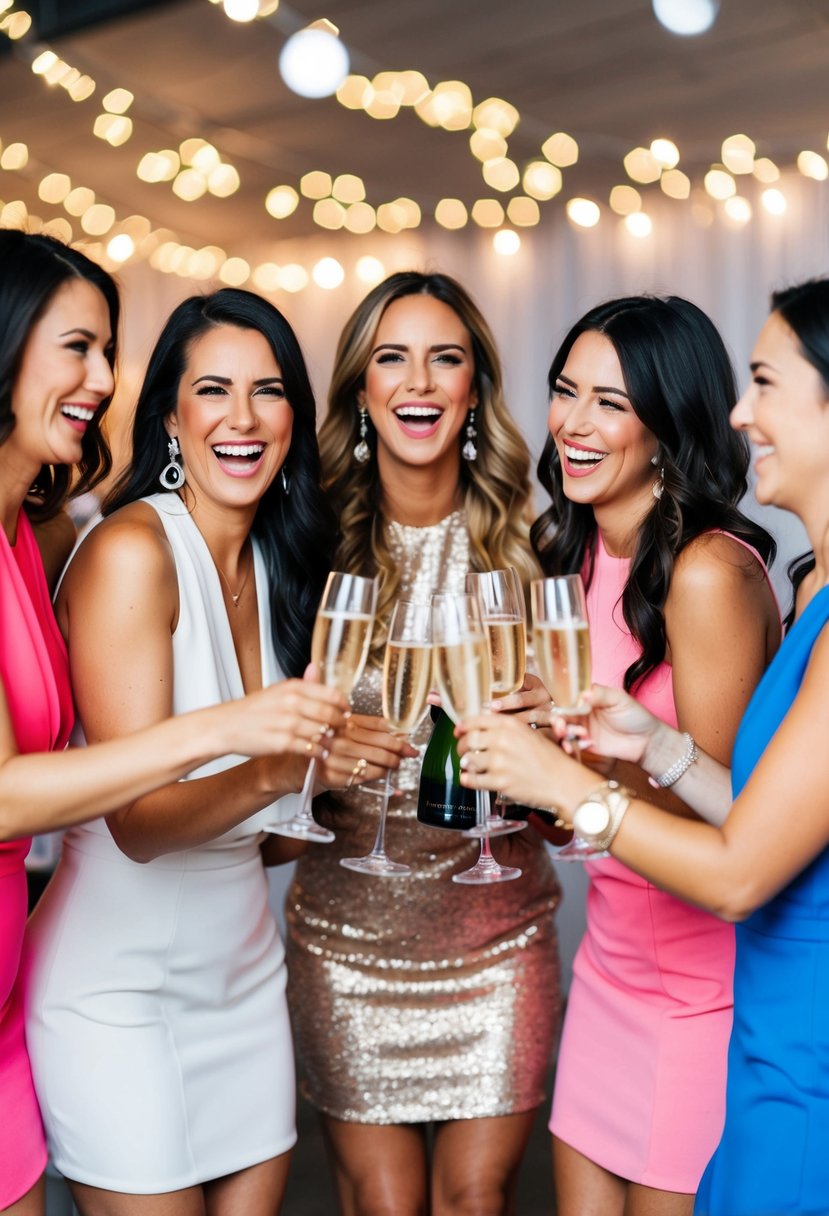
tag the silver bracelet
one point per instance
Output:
(673, 774)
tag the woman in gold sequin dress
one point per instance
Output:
(417, 1001)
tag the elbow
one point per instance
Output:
(133, 845)
(738, 902)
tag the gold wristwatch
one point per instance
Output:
(597, 817)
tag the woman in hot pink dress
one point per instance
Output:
(58, 321)
(645, 476)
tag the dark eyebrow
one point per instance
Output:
(761, 363)
(227, 380)
(77, 330)
(597, 388)
(438, 347)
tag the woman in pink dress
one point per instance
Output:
(645, 476)
(58, 323)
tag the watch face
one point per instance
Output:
(592, 818)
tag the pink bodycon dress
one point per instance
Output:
(640, 1083)
(35, 676)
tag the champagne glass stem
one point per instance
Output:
(303, 826)
(486, 869)
(379, 847)
(378, 861)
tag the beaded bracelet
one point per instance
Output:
(673, 774)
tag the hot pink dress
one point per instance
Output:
(35, 674)
(640, 1082)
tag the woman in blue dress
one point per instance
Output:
(762, 859)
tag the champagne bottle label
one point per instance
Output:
(442, 801)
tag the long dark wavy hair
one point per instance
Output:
(805, 309)
(295, 531)
(681, 386)
(33, 268)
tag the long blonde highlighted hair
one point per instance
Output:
(496, 486)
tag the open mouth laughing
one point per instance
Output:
(418, 421)
(579, 461)
(239, 459)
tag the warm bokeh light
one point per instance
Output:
(189, 185)
(523, 211)
(501, 173)
(738, 209)
(223, 181)
(115, 129)
(774, 201)
(315, 184)
(496, 115)
(561, 150)
(686, 17)
(719, 184)
(328, 213)
(118, 101)
(82, 88)
(328, 273)
(121, 247)
(266, 277)
(59, 228)
(666, 152)
(451, 213)
(542, 180)
(98, 219)
(15, 156)
(488, 213)
(642, 166)
(234, 272)
(639, 224)
(241, 10)
(360, 218)
(54, 188)
(206, 159)
(451, 103)
(675, 183)
(348, 188)
(812, 164)
(486, 144)
(766, 170)
(738, 153)
(370, 270)
(624, 200)
(354, 92)
(293, 277)
(281, 202)
(506, 242)
(583, 212)
(313, 63)
(79, 200)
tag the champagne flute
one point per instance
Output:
(462, 674)
(407, 671)
(561, 640)
(504, 616)
(339, 647)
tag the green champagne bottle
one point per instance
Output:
(442, 801)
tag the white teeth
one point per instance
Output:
(764, 449)
(582, 456)
(77, 411)
(239, 449)
(418, 411)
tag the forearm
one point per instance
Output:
(44, 792)
(188, 814)
(705, 786)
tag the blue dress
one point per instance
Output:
(773, 1157)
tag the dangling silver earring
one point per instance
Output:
(469, 451)
(362, 452)
(286, 485)
(658, 487)
(172, 475)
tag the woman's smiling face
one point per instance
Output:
(420, 382)
(605, 449)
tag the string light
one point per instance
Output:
(506, 242)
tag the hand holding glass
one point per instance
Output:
(504, 617)
(339, 647)
(407, 671)
(561, 640)
(462, 673)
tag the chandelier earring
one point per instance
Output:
(469, 451)
(658, 487)
(172, 475)
(362, 452)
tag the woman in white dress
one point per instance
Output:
(158, 1027)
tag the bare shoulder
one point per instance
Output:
(714, 563)
(127, 557)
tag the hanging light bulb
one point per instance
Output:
(686, 17)
(313, 63)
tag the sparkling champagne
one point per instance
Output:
(407, 668)
(507, 653)
(562, 651)
(339, 647)
(462, 675)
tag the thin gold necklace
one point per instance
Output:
(235, 596)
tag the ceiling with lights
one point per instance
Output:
(166, 133)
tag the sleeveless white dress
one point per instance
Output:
(157, 1023)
